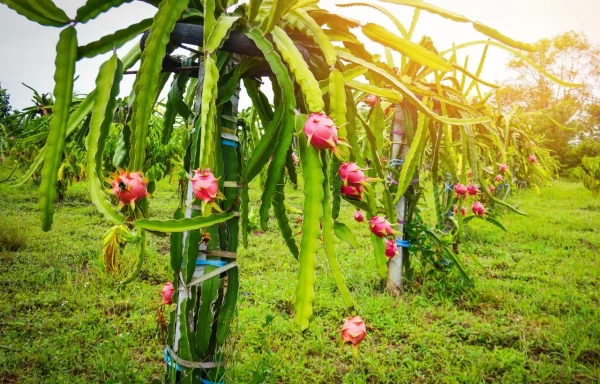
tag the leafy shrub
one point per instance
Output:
(589, 173)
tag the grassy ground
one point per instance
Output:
(533, 316)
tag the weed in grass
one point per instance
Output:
(12, 236)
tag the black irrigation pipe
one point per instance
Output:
(193, 34)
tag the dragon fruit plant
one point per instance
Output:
(320, 72)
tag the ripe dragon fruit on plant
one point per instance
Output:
(320, 131)
(167, 293)
(502, 168)
(354, 331)
(380, 226)
(532, 158)
(460, 189)
(294, 159)
(391, 248)
(206, 187)
(498, 178)
(491, 189)
(352, 191)
(371, 100)
(351, 174)
(463, 210)
(478, 208)
(129, 187)
(359, 216)
(472, 189)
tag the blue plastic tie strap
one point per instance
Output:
(229, 143)
(403, 243)
(168, 361)
(396, 162)
(214, 263)
(448, 187)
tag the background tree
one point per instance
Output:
(5, 107)
(571, 58)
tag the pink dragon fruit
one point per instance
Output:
(129, 187)
(463, 210)
(354, 331)
(167, 293)
(294, 159)
(371, 100)
(353, 191)
(532, 159)
(380, 226)
(206, 185)
(502, 168)
(491, 188)
(390, 248)
(478, 208)
(472, 189)
(460, 189)
(358, 216)
(351, 174)
(320, 131)
(498, 178)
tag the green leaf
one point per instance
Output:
(345, 234)
(286, 133)
(282, 220)
(490, 32)
(209, 114)
(254, 7)
(409, 95)
(181, 225)
(113, 41)
(229, 303)
(298, 18)
(381, 9)
(304, 77)
(337, 111)
(176, 240)
(66, 56)
(449, 254)
(406, 47)
(93, 8)
(348, 75)
(387, 94)
(107, 90)
(140, 260)
(219, 32)
(516, 53)
(205, 315)
(313, 213)
(209, 18)
(411, 161)
(277, 9)
(43, 12)
(495, 222)
(148, 76)
(328, 228)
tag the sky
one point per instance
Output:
(27, 50)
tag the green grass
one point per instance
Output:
(533, 316)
